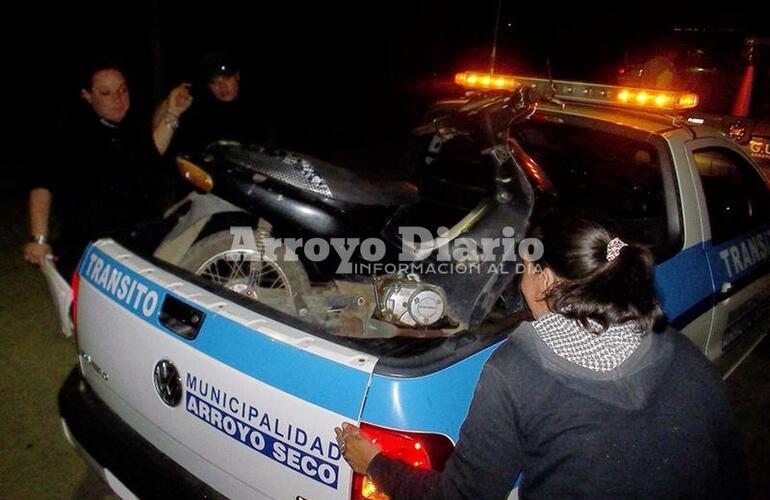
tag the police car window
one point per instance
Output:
(609, 173)
(736, 195)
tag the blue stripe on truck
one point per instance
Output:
(684, 284)
(307, 376)
(436, 403)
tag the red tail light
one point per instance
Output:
(74, 306)
(423, 451)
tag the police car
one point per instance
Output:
(184, 388)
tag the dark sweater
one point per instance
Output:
(658, 426)
(210, 120)
(103, 178)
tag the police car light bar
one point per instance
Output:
(473, 79)
(592, 93)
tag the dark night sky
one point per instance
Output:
(334, 72)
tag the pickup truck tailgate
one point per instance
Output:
(242, 401)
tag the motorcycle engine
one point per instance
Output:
(409, 302)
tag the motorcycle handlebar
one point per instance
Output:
(492, 113)
(487, 113)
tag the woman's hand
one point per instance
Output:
(179, 99)
(36, 252)
(165, 121)
(356, 448)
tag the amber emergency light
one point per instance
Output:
(194, 174)
(473, 79)
(591, 93)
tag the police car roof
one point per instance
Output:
(655, 123)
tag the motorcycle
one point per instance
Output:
(240, 230)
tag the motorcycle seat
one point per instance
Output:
(319, 178)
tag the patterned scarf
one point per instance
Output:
(599, 352)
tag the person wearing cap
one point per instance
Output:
(659, 72)
(103, 172)
(589, 400)
(221, 111)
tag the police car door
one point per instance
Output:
(737, 235)
(245, 402)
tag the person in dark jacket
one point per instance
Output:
(584, 401)
(101, 171)
(221, 111)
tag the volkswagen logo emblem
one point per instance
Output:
(168, 385)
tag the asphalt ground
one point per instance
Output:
(36, 461)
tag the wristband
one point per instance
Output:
(171, 120)
(40, 239)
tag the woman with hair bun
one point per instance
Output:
(592, 398)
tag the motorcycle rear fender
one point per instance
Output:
(187, 230)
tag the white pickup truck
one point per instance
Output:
(188, 389)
